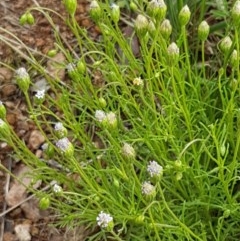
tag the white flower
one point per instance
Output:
(138, 81)
(128, 150)
(154, 169)
(63, 144)
(58, 126)
(22, 73)
(148, 188)
(57, 188)
(104, 219)
(100, 115)
(111, 118)
(40, 94)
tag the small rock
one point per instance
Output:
(5, 75)
(31, 210)
(22, 232)
(36, 139)
(8, 90)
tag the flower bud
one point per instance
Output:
(23, 79)
(184, 15)
(148, 190)
(48, 150)
(115, 183)
(2, 111)
(30, 18)
(60, 130)
(225, 44)
(203, 30)
(115, 13)
(102, 102)
(44, 203)
(179, 176)
(155, 171)
(226, 213)
(128, 151)
(71, 6)
(141, 25)
(234, 58)
(166, 29)
(173, 54)
(4, 130)
(23, 19)
(235, 13)
(157, 9)
(95, 10)
(111, 120)
(223, 149)
(138, 81)
(51, 53)
(151, 28)
(139, 219)
(81, 67)
(72, 71)
(133, 6)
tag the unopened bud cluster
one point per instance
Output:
(157, 9)
(23, 79)
(235, 13)
(203, 30)
(107, 119)
(184, 16)
(225, 44)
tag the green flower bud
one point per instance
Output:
(2, 111)
(102, 102)
(234, 59)
(95, 10)
(23, 79)
(225, 44)
(203, 30)
(115, 13)
(81, 67)
(49, 150)
(115, 183)
(166, 29)
(30, 18)
(44, 203)
(173, 54)
(184, 15)
(223, 149)
(226, 213)
(4, 130)
(71, 6)
(110, 121)
(179, 176)
(178, 165)
(157, 9)
(151, 28)
(235, 13)
(133, 6)
(72, 71)
(139, 219)
(141, 25)
(23, 19)
(52, 53)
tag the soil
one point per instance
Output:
(26, 222)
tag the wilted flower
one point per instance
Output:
(141, 25)
(154, 169)
(65, 146)
(105, 220)
(203, 30)
(128, 151)
(184, 15)
(138, 81)
(148, 190)
(23, 79)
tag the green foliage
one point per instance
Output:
(150, 152)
